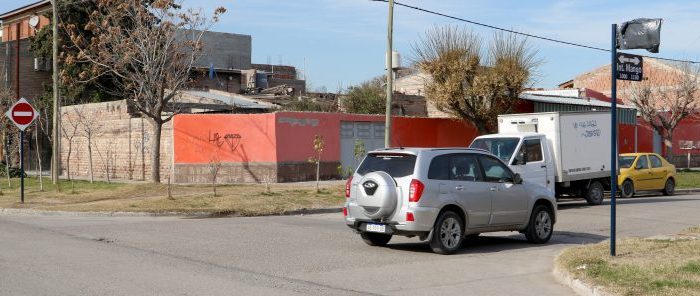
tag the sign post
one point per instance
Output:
(22, 114)
(636, 34)
(613, 142)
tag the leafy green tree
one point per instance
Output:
(367, 98)
(75, 86)
(471, 83)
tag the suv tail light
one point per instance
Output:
(415, 190)
(347, 187)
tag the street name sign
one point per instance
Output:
(629, 67)
(22, 114)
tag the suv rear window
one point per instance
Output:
(396, 165)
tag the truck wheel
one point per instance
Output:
(670, 187)
(375, 239)
(447, 233)
(541, 225)
(627, 189)
(594, 193)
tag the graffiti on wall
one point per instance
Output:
(229, 139)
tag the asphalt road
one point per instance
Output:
(309, 255)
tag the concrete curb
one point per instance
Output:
(579, 286)
(689, 190)
(195, 215)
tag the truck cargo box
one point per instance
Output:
(580, 141)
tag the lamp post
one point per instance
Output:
(389, 75)
(55, 163)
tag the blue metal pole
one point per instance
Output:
(613, 140)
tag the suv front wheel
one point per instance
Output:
(541, 225)
(447, 233)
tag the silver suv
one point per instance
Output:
(443, 195)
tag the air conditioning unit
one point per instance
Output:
(42, 64)
(39, 64)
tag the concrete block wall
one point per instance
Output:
(121, 143)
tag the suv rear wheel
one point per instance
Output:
(375, 239)
(447, 233)
(541, 225)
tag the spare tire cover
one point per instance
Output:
(377, 195)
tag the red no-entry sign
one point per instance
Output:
(22, 114)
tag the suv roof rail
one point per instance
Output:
(460, 148)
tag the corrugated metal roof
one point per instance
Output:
(626, 114)
(569, 101)
(232, 99)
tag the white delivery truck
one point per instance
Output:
(567, 152)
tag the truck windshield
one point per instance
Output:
(626, 161)
(394, 164)
(503, 148)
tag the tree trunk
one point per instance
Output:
(92, 176)
(480, 127)
(7, 159)
(38, 158)
(70, 148)
(107, 165)
(155, 153)
(668, 142)
(318, 173)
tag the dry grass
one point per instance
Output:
(660, 266)
(249, 199)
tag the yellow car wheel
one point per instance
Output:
(627, 189)
(670, 187)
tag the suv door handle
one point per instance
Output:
(543, 166)
(492, 188)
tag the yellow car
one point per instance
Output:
(645, 171)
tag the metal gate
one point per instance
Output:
(369, 135)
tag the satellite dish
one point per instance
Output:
(34, 21)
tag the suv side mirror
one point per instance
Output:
(517, 179)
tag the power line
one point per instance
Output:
(521, 33)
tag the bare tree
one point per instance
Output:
(69, 129)
(5, 102)
(91, 127)
(43, 124)
(319, 145)
(150, 48)
(106, 157)
(214, 168)
(470, 83)
(666, 102)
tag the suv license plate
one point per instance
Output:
(375, 228)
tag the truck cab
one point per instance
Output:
(528, 154)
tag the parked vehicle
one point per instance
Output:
(645, 171)
(441, 196)
(566, 152)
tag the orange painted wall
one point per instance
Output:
(296, 132)
(432, 132)
(199, 138)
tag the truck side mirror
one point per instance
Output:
(520, 158)
(517, 179)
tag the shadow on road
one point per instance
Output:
(491, 244)
(581, 204)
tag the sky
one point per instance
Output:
(337, 43)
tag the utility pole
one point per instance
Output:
(55, 163)
(389, 75)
